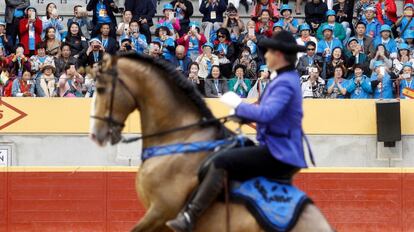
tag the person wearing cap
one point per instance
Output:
(212, 11)
(183, 11)
(328, 42)
(402, 58)
(139, 41)
(359, 85)
(6, 41)
(338, 29)
(310, 58)
(289, 23)
(46, 81)
(409, 39)
(278, 115)
(354, 54)
(169, 17)
(405, 79)
(103, 12)
(262, 81)
(30, 29)
(386, 40)
(315, 11)
(14, 12)
(193, 41)
(37, 61)
(206, 60)
(24, 86)
(278, 26)
(359, 8)
(366, 42)
(406, 22)
(313, 86)
(109, 43)
(373, 27)
(386, 11)
(305, 37)
(95, 52)
(381, 82)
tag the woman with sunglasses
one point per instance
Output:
(225, 51)
(308, 59)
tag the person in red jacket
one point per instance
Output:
(193, 41)
(30, 30)
(386, 12)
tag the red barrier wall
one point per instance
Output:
(106, 201)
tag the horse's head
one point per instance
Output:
(113, 101)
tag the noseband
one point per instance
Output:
(113, 123)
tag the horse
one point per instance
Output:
(166, 100)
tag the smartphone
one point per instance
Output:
(193, 27)
(382, 71)
(54, 12)
(251, 31)
(171, 16)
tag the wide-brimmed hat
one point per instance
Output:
(278, 24)
(168, 6)
(285, 7)
(408, 5)
(49, 64)
(282, 41)
(385, 27)
(208, 44)
(403, 46)
(304, 27)
(330, 13)
(327, 27)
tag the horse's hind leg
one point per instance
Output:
(153, 221)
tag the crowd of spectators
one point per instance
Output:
(361, 49)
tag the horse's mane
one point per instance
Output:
(169, 72)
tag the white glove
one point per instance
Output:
(231, 99)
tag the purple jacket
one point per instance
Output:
(279, 118)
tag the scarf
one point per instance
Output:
(47, 83)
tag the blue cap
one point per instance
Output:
(330, 13)
(403, 46)
(385, 27)
(370, 8)
(408, 64)
(166, 24)
(208, 44)
(194, 23)
(168, 6)
(410, 34)
(378, 63)
(351, 39)
(327, 27)
(408, 5)
(285, 7)
(263, 68)
(304, 27)
(278, 24)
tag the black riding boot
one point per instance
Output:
(205, 194)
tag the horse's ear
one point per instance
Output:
(108, 62)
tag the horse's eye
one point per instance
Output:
(100, 90)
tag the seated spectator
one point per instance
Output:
(18, 64)
(328, 43)
(264, 24)
(206, 61)
(5, 41)
(409, 39)
(278, 27)
(65, 58)
(360, 7)
(181, 61)
(366, 42)
(381, 54)
(154, 50)
(164, 36)
(268, 5)
(343, 11)
(336, 86)
(126, 45)
(248, 62)
(103, 13)
(41, 58)
(170, 19)
(405, 79)
(386, 40)
(233, 23)
(359, 86)
(142, 11)
(212, 11)
(386, 11)
(46, 81)
(70, 83)
(95, 52)
(52, 19)
(139, 41)
(83, 21)
(193, 41)
(337, 59)
(313, 86)
(24, 86)
(373, 27)
(403, 57)
(183, 10)
(89, 85)
(109, 43)
(289, 23)
(225, 51)
(249, 39)
(338, 29)
(215, 84)
(123, 27)
(263, 80)
(305, 36)
(30, 30)
(381, 81)
(406, 22)
(310, 58)
(354, 55)
(239, 83)
(76, 41)
(52, 44)
(315, 11)
(192, 76)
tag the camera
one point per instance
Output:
(128, 47)
(406, 75)
(96, 46)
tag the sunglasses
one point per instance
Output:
(311, 49)
(221, 36)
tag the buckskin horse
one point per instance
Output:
(166, 101)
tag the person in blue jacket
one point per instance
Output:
(278, 115)
(405, 79)
(359, 86)
(381, 82)
(386, 40)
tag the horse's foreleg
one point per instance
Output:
(153, 221)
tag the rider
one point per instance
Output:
(278, 115)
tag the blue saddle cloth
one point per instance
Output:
(275, 206)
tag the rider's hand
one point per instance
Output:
(231, 99)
